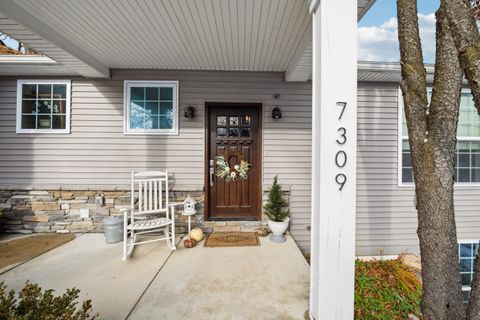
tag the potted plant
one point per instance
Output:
(277, 212)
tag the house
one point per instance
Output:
(173, 84)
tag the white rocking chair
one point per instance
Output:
(154, 213)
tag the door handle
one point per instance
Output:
(211, 176)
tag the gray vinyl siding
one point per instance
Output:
(386, 216)
(98, 156)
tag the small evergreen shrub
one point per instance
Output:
(386, 290)
(276, 207)
(33, 303)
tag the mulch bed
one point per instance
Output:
(23, 249)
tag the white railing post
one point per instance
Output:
(334, 100)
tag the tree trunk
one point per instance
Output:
(467, 41)
(432, 134)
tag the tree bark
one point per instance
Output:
(432, 135)
(467, 40)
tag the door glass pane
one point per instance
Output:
(234, 121)
(233, 132)
(245, 121)
(221, 120)
(245, 132)
(221, 132)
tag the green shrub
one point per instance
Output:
(276, 207)
(33, 303)
(385, 290)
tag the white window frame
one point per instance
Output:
(126, 107)
(20, 84)
(466, 241)
(400, 144)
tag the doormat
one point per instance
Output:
(27, 248)
(232, 239)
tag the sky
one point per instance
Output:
(377, 31)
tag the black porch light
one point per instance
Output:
(190, 112)
(276, 113)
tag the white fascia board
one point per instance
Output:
(25, 18)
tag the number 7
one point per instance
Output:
(343, 105)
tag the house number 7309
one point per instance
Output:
(341, 156)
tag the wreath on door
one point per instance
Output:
(239, 171)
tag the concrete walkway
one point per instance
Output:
(270, 281)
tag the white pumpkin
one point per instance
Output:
(196, 234)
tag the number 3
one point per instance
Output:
(343, 134)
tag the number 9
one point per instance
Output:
(341, 179)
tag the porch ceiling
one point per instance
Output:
(91, 37)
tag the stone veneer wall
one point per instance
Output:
(55, 211)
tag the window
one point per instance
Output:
(151, 107)
(467, 251)
(467, 164)
(43, 106)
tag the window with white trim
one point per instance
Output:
(467, 251)
(467, 158)
(151, 107)
(43, 106)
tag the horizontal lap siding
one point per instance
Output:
(386, 216)
(97, 155)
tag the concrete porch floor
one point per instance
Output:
(270, 281)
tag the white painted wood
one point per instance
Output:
(333, 210)
(147, 219)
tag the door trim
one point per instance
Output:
(206, 181)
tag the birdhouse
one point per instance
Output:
(189, 206)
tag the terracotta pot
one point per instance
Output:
(189, 243)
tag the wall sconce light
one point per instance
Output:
(276, 113)
(190, 112)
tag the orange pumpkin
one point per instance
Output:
(189, 243)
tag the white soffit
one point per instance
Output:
(300, 67)
(254, 35)
(70, 63)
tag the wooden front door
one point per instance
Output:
(233, 131)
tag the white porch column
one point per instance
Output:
(334, 158)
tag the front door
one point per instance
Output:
(233, 132)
